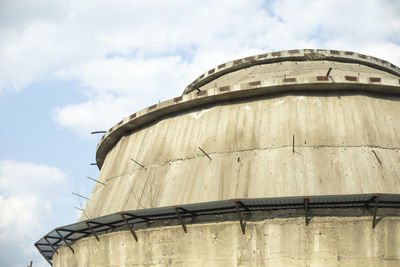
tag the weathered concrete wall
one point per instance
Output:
(250, 143)
(347, 141)
(327, 242)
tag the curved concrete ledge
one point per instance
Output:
(370, 84)
(292, 55)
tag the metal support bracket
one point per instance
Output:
(41, 253)
(91, 230)
(239, 214)
(65, 241)
(375, 211)
(180, 218)
(129, 226)
(51, 245)
(306, 209)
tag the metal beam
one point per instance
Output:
(44, 256)
(329, 72)
(306, 200)
(239, 214)
(368, 202)
(51, 245)
(375, 211)
(129, 226)
(188, 211)
(97, 132)
(180, 219)
(137, 217)
(91, 230)
(65, 241)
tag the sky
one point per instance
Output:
(70, 67)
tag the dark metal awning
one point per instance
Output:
(68, 234)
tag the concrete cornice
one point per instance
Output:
(373, 83)
(292, 55)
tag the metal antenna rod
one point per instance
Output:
(93, 163)
(95, 180)
(79, 195)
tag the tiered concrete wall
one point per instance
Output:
(244, 115)
(325, 242)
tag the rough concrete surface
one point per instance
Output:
(250, 143)
(326, 241)
(245, 115)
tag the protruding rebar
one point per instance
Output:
(139, 164)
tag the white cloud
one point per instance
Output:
(27, 191)
(127, 55)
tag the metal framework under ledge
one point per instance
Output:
(68, 234)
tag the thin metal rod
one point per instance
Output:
(51, 245)
(180, 219)
(129, 226)
(139, 164)
(239, 214)
(44, 256)
(329, 72)
(293, 145)
(79, 208)
(79, 195)
(197, 88)
(380, 162)
(91, 230)
(97, 132)
(95, 180)
(65, 241)
(375, 211)
(306, 209)
(205, 153)
(93, 163)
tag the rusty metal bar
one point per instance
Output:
(380, 162)
(139, 164)
(205, 153)
(293, 145)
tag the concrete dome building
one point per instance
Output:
(288, 158)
